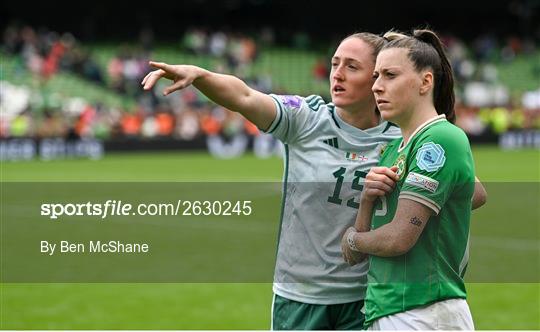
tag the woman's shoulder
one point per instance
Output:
(313, 103)
(446, 133)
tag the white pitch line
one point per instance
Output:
(506, 243)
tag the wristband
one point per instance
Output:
(350, 241)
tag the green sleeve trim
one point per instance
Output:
(280, 116)
(284, 198)
(314, 102)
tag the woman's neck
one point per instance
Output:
(418, 117)
(361, 119)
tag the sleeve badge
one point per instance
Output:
(430, 157)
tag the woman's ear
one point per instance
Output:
(427, 82)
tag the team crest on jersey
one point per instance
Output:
(382, 148)
(355, 157)
(401, 165)
(291, 101)
(430, 157)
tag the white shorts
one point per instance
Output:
(452, 314)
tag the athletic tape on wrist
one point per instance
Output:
(350, 241)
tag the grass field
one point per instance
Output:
(504, 289)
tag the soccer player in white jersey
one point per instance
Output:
(418, 243)
(329, 150)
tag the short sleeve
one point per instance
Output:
(440, 165)
(294, 117)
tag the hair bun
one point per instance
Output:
(393, 35)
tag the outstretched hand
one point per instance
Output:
(181, 75)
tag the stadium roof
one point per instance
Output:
(106, 19)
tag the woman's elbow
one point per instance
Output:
(480, 196)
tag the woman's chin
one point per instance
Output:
(386, 115)
(338, 102)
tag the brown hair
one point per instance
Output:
(426, 51)
(375, 41)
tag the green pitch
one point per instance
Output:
(503, 293)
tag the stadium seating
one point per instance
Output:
(277, 69)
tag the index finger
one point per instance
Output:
(394, 169)
(391, 172)
(160, 65)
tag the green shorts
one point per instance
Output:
(292, 315)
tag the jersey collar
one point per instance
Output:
(424, 125)
(354, 130)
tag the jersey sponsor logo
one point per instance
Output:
(421, 181)
(401, 165)
(430, 157)
(355, 157)
(333, 142)
(291, 101)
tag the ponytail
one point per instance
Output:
(443, 93)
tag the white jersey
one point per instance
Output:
(326, 161)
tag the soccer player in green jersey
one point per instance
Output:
(418, 202)
(329, 149)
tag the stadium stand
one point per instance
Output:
(54, 86)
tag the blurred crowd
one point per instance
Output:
(44, 53)
(237, 49)
(184, 116)
(486, 106)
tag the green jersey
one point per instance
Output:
(436, 169)
(326, 161)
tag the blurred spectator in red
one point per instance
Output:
(209, 124)
(83, 126)
(51, 63)
(165, 123)
(249, 50)
(131, 124)
(251, 129)
(320, 70)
